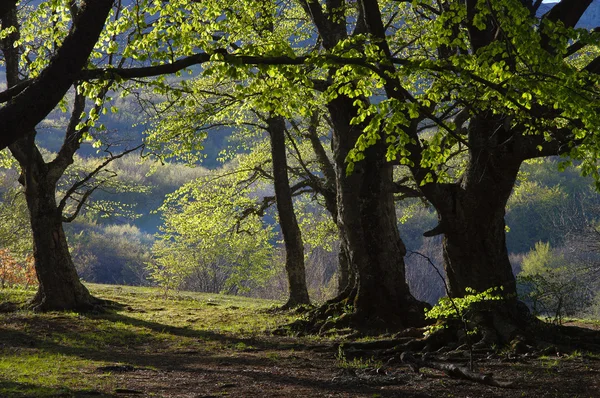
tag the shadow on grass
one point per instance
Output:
(140, 347)
(162, 369)
(193, 367)
(13, 389)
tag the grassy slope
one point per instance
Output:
(67, 353)
(193, 344)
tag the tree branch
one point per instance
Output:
(19, 117)
(82, 182)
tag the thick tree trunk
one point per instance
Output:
(365, 204)
(346, 274)
(292, 237)
(471, 214)
(474, 245)
(368, 226)
(59, 285)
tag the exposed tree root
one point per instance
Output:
(500, 330)
(316, 321)
(91, 304)
(338, 316)
(452, 370)
(455, 352)
(297, 307)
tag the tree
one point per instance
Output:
(365, 202)
(16, 267)
(294, 245)
(499, 91)
(551, 286)
(59, 285)
(15, 231)
(204, 245)
(207, 106)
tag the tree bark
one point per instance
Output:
(328, 190)
(292, 237)
(346, 274)
(471, 218)
(474, 243)
(366, 215)
(470, 211)
(59, 285)
(368, 226)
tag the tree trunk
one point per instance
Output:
(471, 214)
(474, 244)
(346, 274)
(471, 217)
(328, 190)
(292, 237)
(368, 226)
(59, 285)
(365, 204)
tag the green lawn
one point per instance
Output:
(65, 353)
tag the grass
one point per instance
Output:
(356, 363)
(55, 353)
(151, 339)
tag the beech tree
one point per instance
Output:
(501, 86)
(208, 106)
(365, 202)
(498, 84)
(59, 285)
(204, 246)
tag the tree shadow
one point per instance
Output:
(60, 335)
(191, 367)
(34, 390)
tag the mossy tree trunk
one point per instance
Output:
(292, 236)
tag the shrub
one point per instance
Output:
(551, 285)
(15, 273)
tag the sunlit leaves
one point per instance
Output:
(203, 228)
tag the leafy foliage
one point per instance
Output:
(459, 308)
(551, 286)
(14, 273)
(206, 245)
(15, 232)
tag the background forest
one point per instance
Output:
(124, 232)
(195, 208)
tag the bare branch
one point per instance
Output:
(87, 178)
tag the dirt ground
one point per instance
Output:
(209, 346)
(286, 369)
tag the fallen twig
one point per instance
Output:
(452, 370)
